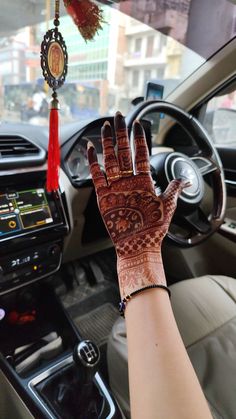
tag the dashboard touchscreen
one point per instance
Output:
(21, 211)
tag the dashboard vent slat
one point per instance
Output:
(16, 150)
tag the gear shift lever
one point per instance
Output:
(86, 357)
(72, 391)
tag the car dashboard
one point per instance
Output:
(39, 230)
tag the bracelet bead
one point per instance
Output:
(123, 303)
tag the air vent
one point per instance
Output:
(16, 146)
(16, 151)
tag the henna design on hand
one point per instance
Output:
(135, 217)
(110, 160)
(123, 148)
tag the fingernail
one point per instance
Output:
(188, 183)
(119, 121)
(92, 156)
(106, 129)
(89, 144)
(118, 114)
(138, 129)
(185, 183)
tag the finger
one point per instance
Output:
(110, 160)
(175, 188)
(172, 193)
(142, 164)
(98, 177)
(123, 148)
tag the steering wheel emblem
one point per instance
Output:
(187, 174)
(179, 166)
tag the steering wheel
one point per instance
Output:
(205, 164)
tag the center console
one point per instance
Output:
(54, 372)
(44, 362)
(32, 227)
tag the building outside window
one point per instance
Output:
(137, 45)
(160, 72)
(147, 76)
(135, 78)
(150, 44)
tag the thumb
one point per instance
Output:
(175, 188)
(171, 194)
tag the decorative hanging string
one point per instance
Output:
(86, 15)
(54, 61)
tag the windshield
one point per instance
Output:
(106, 74)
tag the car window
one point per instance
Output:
(220, 119)
(103, 75)
(141, 40)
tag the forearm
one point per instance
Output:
(139, 271)
(163, 383)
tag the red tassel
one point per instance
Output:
(53, 152)
(86, 15)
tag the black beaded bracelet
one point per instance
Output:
(123, 303)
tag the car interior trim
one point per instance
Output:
(59, 366)
(32, 281)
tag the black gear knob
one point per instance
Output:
(86, 356)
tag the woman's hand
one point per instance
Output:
(135, 217)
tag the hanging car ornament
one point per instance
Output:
(54, 60)
(86, 15)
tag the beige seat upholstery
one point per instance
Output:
(205, 311)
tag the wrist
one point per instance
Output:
(140, 270)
